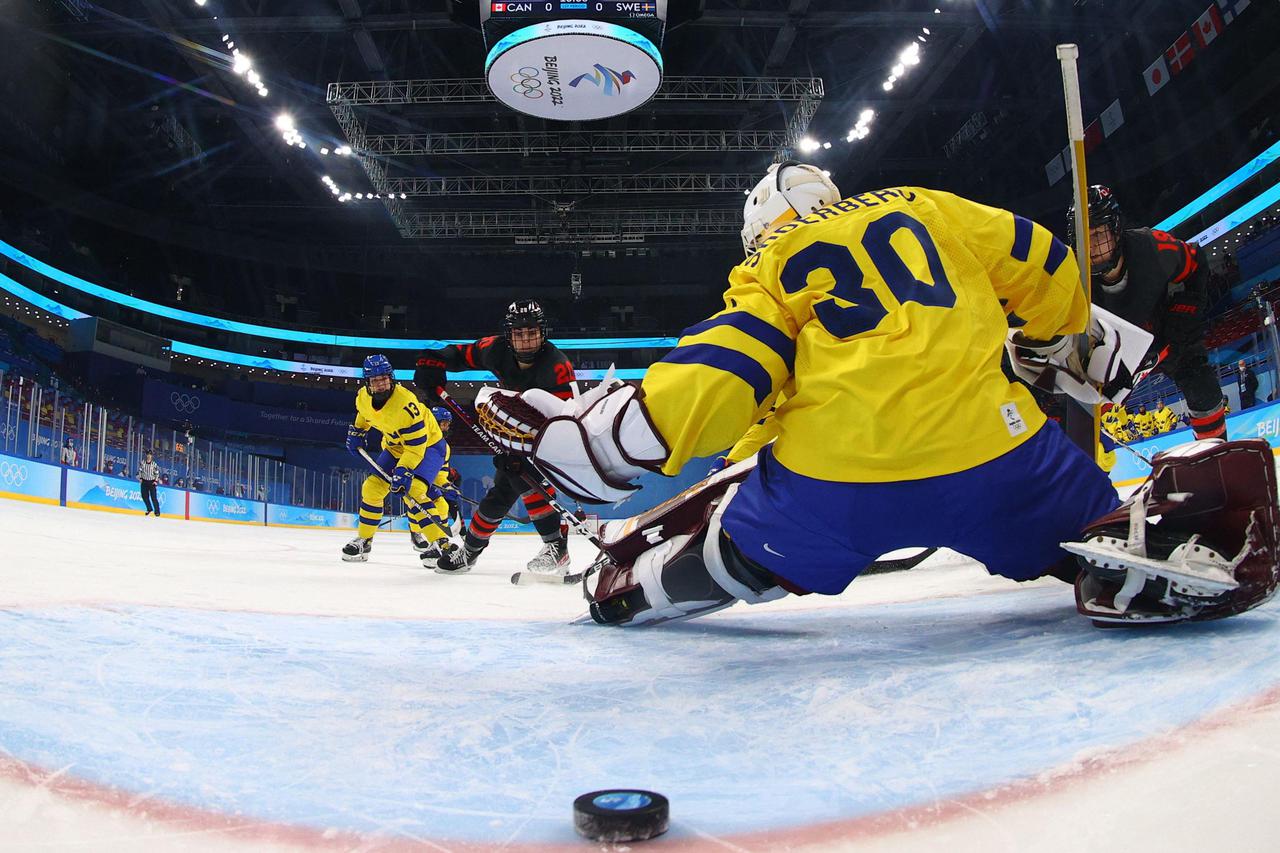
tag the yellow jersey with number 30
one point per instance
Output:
(885, 316)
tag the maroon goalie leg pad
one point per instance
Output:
(1222, 494)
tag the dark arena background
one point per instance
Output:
(212, 212)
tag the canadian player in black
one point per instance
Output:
(1158, 282)
(522, 358)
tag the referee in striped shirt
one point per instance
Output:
(148, 473)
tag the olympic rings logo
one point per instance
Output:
(184, 403)
(8, 431)
(527, 83)
(12, 475)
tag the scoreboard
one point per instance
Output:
(594, 9)
(573, 60)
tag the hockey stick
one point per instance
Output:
(431, 516)
(899, 565)
(1080, 433)
(541, 484)
(508, 516)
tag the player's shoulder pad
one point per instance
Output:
(401, 395)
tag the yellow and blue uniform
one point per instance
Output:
(411, 439)
(1113, 422)
(759, 434)
(884, 316)
(1166, 420)
(1143, 424)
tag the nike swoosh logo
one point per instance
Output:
(773, 552)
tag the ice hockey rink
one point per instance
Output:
(173, 685)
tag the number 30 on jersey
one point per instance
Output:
(865, 309)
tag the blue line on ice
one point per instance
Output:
(485, 731)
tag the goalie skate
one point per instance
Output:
(1196, 541)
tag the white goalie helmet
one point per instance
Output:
(789, 186)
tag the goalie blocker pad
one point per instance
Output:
(1197, 541)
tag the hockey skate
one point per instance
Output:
(1197, 541)
(421, 545)
(357, 550)
(550, 565)
(452, 559)
(553, 559)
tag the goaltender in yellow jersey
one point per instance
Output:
(847, 300)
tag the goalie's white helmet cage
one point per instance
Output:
(788, 186)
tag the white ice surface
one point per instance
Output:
(214, 687)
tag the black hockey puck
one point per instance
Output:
(621, 815)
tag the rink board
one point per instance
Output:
(39, 482)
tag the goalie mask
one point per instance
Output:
(790, 189)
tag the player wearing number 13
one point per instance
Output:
(413, 451)
(882, 318)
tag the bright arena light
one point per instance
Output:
(284, 122)
(808, 145)
(240, 63)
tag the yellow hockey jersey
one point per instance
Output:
(1166, 419)
(758, 435)
(408, 428)
(1143, 424)
(885, 315)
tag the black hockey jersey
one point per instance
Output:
(1164, 278)
(551, 370)
(1166, 291)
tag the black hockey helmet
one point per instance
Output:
(525, 314)
(1103, 210)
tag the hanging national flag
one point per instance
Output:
(1231, 8)
(1180, 53)
(1054, 170)
(1093, 135)
(1207, 27)
(1112, 117)
(1156, 75)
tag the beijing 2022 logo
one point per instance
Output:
(184, 403)
(13, 475)
(611, 81)
(527, 83)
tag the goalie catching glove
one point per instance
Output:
(590, 446)
(1106, 375)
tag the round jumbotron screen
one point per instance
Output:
(574, 70)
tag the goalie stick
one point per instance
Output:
(542, 486)
(1081, 426)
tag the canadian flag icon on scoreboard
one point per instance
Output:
(499, 7)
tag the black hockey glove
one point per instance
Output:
(508, 462)
(429, 377)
